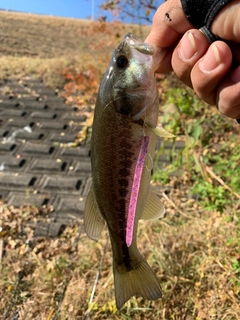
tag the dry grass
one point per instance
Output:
(42, 46)
(49, 70)
(41, 36)
(193, 256)
(194, 252)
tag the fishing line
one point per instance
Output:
(105, 107)
(151, 159)
(96, 280)
(68, 276)
(145, 127)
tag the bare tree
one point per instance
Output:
(136, 11)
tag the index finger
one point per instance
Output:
(169, 24)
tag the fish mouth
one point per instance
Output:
(148, 49)
(134, 39)
(136, 43)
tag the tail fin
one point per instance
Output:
(140, 282)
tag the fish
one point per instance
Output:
(123, 142)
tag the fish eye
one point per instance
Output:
(122, 61)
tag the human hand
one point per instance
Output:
(205, 67)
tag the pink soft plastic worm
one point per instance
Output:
(135, 190)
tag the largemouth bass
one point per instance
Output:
(122, 147)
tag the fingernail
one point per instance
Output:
(188, 46)
(211, 60)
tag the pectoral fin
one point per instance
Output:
(93, 221)
(162, 133)
(154, 208)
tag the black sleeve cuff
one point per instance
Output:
(202, 12)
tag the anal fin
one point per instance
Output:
(93, 221)
(154, 208)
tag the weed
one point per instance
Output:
(211, 197)
(204, 147)
(186, 102)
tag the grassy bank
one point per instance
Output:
(194, 250)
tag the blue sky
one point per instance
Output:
(81, 9)
(64, 8)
